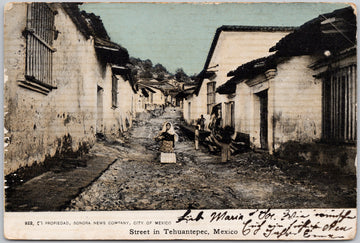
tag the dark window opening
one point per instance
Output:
(210, 96)
(114, 92)
(339, 105)
(39, 40)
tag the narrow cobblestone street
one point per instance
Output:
(127, 175)
(241, 119)
(199, 180)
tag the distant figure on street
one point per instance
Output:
(215, 120)
(167, 137)
(224, 139)
(197, 133)
(201, 122)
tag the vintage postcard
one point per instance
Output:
(180, 121)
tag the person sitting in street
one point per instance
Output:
(167, 138)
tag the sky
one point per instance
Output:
(179, 35)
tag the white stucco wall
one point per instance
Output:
(242, 108)
(40, 125)
(158, 97)
(186, 109)
(297, 102)
(126, 100)
(294, 105)
(117, 119)
(233, 49)
(140, 101)
(196, 110)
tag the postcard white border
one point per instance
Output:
(15, 227)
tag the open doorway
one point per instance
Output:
(189, 111)
(99, 111)
(229, 114)
(263, 100)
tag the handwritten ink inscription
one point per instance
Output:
(277, 224)
(188, 217)
(191, 224)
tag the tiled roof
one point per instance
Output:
(247, 71)
(333, 31)
(255, 28)
(313, 36)
(91, 25)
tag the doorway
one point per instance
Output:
(99, 110)
(189, 111)
(263, 98)
(229, 114)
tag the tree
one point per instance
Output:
(160, 76)
(158, 68)
(147, 64)
(181, 76)
(146, 74)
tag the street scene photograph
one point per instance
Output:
(178, 106)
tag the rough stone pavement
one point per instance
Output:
(53, 190)
(137, 180)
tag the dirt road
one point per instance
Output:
(137, 180)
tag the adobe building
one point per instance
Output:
(231, 46)
(300, 102)
(58, 68)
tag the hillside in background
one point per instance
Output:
(145, 70)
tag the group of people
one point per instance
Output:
(221, 135)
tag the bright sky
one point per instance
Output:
(179, 35)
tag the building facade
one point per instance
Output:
(231, 45)
(58, 81)
(300, 102)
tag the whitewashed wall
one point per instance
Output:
(297, 102)
(40, 125)
(294, 105)
(233, 49)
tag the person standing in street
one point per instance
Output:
(201, 122)
(225, 143)
(197, 134)
(223, 137)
